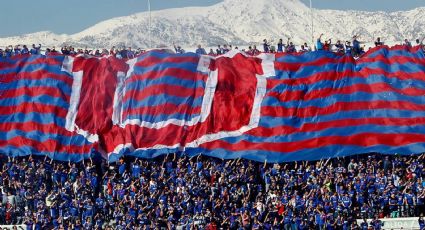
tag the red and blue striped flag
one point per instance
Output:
(275, 107)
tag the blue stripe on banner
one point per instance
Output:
(41, 99)
(48, 82)
(171, 80)
(335, 98)
(351, 80)
(268, 121)
(26, 150)
(338, 131)
(161, 99)
(77, 140)
(42, 118)
(161, 66)
(307, 57)
(30, 58)
(161, 117)
(307, 154)
(55, 69)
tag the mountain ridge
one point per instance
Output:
(237, 22)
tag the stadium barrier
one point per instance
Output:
(15, 226)
(397, 223)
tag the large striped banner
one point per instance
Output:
(274, 107)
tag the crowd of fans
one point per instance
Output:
(126, 53)
(181, 192)
(353, 47)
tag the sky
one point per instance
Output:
(64, 16)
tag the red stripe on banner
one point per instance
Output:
(36, 75)
(23, 62)
(172, 90)
(312, 111)
(314, 127)
(35, 126)
(362, 139)
(166, 108)
(327, 92)
(35, 91)
(30, 107)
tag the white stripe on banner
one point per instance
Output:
(118, 97)
(74, 100)
(67, 66)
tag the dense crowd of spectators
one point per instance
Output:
(178, 192)
(17, 50)
(353, 47)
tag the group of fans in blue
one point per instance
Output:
(181, 192)
(126, 53)
(353, 47)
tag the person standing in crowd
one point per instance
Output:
(328, 45)
(307, 47)
(348, 47)
(35, 50)
(339, 47)
(407, 43)
(280, 46)
(219, 50)
(130, 53)
(303, 49)
(266, 46)
(290, 47)
(420, 42)
(225, 49)
(356, 49)
(25, 50)
(319, 44)
(112, 51)
(178, 49)
(65, 50)
(378, 42)
(17, 50)
(200, 50)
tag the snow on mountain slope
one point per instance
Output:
(238, 22)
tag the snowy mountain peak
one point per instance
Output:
(238, 22)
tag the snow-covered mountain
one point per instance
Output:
(237, 22)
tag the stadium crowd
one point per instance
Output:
(353, 47)
(181, 192)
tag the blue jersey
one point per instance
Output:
(279, 47)
(319, 45)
